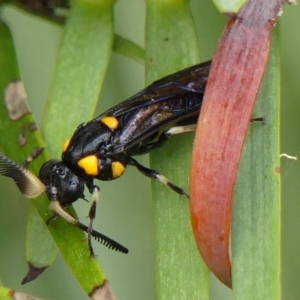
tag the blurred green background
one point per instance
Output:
(125, 209)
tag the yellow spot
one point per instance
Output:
(65, 145)
(110, 122)
(89, 164)
(117, 169)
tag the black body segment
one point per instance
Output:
(141, 119)
(103, 147)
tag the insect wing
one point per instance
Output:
(167, 101)
(191, 79)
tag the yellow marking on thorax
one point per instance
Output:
(65, 145)
(117, 169)
(89, 164)
(110, 122)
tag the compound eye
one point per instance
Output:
(89, 164)
(60, 171)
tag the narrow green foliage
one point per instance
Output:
(10, 294)
(79, 71)
(229, 6)
(77, 80)
(256, 219)
(171, 45)
(171, 42)
(129, 49)
(74, 248)
(43, 255)
(5, 293)
(12, 130)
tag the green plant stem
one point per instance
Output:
(171, 44)
(256, 222)
(79, 71)
(74, 248)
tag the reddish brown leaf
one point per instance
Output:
(33, 272)
(233, 84)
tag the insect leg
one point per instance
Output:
(181, 129)
(57, 209)
(95, 191)
(258, 119)
(163, 137)
(156, 175)
(53, 217)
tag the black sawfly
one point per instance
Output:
(103, 147)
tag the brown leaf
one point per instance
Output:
(233, 84)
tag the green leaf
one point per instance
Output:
(256, 219)
(40, 247)
(36, 255)
(11, 294)
(17, 134)
(171, 45)
(79, 71)
(77, 80)
(12, 130)
(121, 45)
(229, 6)
(74, 249)
(129, 49)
